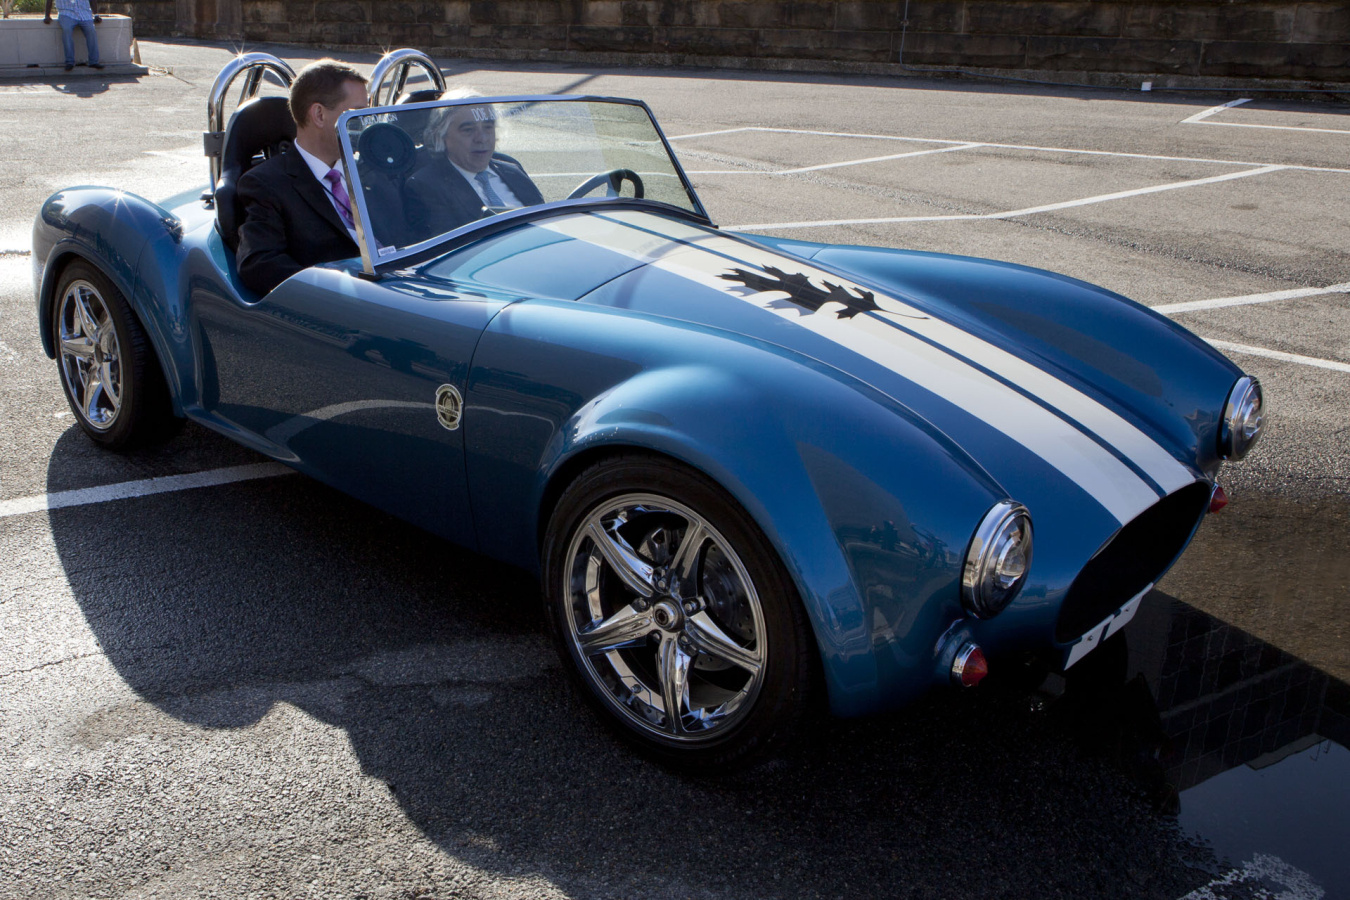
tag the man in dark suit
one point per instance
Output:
(297, 206)
(468, 179)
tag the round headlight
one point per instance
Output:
(998, 559)
(1242, 419)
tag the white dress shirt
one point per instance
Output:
(320, 170)
(499, 186)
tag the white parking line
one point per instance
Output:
(1201, 116)
(1137, 192)
(1067, 204)
(129, 489)
(1331, 364)
(1248, 299)
(1030, 147)
(834, 165)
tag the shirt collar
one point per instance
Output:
(472, 176)
(315, 164)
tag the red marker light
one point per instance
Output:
(970, 666)
(1218, 500)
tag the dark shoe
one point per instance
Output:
(96, 65)
(69, 66)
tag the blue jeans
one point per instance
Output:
(68, 27)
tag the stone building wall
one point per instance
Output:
(1216, 38)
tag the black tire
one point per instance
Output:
(722, 631)
(108, 369)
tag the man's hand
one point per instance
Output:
(47, 20)
(97, 19)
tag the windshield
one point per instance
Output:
(423, 170)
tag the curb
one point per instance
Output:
(28, 73)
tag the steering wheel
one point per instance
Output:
(614, 178)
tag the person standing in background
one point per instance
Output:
(80, 14)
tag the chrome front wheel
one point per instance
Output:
(675, 614)
(664, 616)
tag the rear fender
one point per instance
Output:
(110, 230)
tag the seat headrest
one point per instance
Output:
(387, 148)
(259, 129)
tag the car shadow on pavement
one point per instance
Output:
(216, 605)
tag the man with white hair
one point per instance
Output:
(466, 179)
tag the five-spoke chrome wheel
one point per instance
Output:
(665, 616)
(675, 614)
(90, 355)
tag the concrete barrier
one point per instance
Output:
(29, 47)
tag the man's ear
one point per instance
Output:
(315, 114)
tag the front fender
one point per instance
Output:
(868, 509)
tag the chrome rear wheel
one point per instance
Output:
(90, 355)
(109, 371)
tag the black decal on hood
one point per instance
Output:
(803, 293)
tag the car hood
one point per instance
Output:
(1048, 383)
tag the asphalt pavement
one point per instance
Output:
(264, 688)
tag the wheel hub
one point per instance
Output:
(668, 616)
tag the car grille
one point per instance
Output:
(1138, 554)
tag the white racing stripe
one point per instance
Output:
(129, 489)
(706, 257)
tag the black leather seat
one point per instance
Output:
(258, 130)
(386, 155)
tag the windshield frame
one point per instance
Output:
(372, 264)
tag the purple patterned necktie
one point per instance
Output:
(340, 195)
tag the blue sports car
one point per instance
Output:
(757, 477)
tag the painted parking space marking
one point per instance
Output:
(1335, 170)
(1249, 299)
(127, 490)
(1203, 118)
(1214, 110)
(1015, 213)
(1228, 346)
(835, 165)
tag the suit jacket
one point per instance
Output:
(439, 199)
(289, 223)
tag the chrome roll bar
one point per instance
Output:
(392, 71)
(253, 66)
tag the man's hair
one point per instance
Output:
(322, 81)
(434, 136)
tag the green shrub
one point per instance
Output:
(29, 6)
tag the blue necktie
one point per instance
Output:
(492, 199)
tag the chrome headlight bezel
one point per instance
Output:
(1243, 419)
(1000, 547)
